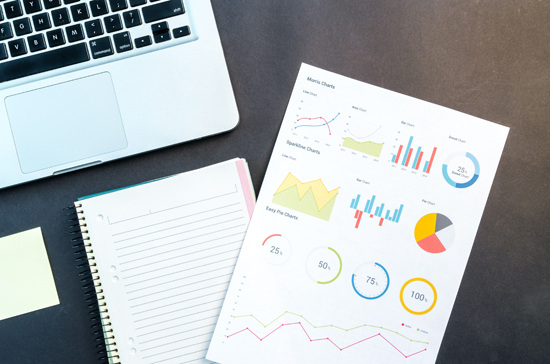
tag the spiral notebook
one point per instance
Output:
(161, 255)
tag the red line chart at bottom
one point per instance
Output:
(326, 338)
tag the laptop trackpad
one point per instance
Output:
(67, 122)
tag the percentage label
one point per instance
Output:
(276, 249)
(418, 296)
(372, 281)
(324, 265)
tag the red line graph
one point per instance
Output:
(326, 339)
(329, 133)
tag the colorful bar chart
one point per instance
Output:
(378, 212)
(418, 157)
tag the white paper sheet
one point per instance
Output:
(165, 252)
(362, 230)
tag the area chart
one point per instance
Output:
(311, 198)
(367, 147)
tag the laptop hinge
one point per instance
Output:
(86, 165)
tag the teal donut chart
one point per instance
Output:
(383, 278)
(465, 184)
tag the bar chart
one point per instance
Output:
(379, 211)
(404, 156)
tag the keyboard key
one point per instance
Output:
(60, 17)
(67, 2)
(159, 27)
(137, 2)
(13, 9)
(74, 33)
(112, 23)
(181, 32)
(44, 61)
(1, 14)
(80, 12)
(55, 37)
(162, 10)
(17, 47)
(117, 5)
(5, 31)
(131, 18)
(36, 42)
(50, 4)
(3, 51)
(162, 37)
(143, 41)
(98, 7)
(101, 47)
(123, 42)
(93, 28)
(41, 21)
(32, 6)
(22, 26)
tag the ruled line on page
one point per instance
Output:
(175, 207)
(178, 218)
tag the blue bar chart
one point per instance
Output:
(379, 212)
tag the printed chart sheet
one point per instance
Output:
(362, 230)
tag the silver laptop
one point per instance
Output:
(84, 82)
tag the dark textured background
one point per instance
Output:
(490, 59)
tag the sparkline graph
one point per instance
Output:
(327, 339)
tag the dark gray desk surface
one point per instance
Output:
(490, 59)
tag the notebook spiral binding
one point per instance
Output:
(91, 283)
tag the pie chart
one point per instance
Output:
(434, 233)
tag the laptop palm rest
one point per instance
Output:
(47, 122)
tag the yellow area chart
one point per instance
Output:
(311, 198)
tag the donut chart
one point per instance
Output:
(456, 174)
(370, 280)
(434, 233)
(418, 296)
(276, 249)
(324, 265)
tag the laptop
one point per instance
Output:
(84, 82)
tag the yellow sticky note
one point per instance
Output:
(26, 280)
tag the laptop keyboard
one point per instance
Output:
(37, 36)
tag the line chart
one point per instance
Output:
(363, 137)
(325, 123)
(327, 339)
(333, 326)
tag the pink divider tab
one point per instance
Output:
(245, 185)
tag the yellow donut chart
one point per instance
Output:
(403, 301)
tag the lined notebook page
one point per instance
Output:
(165, 252)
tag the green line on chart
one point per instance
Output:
(336, 327)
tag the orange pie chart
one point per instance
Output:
(434, 233)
